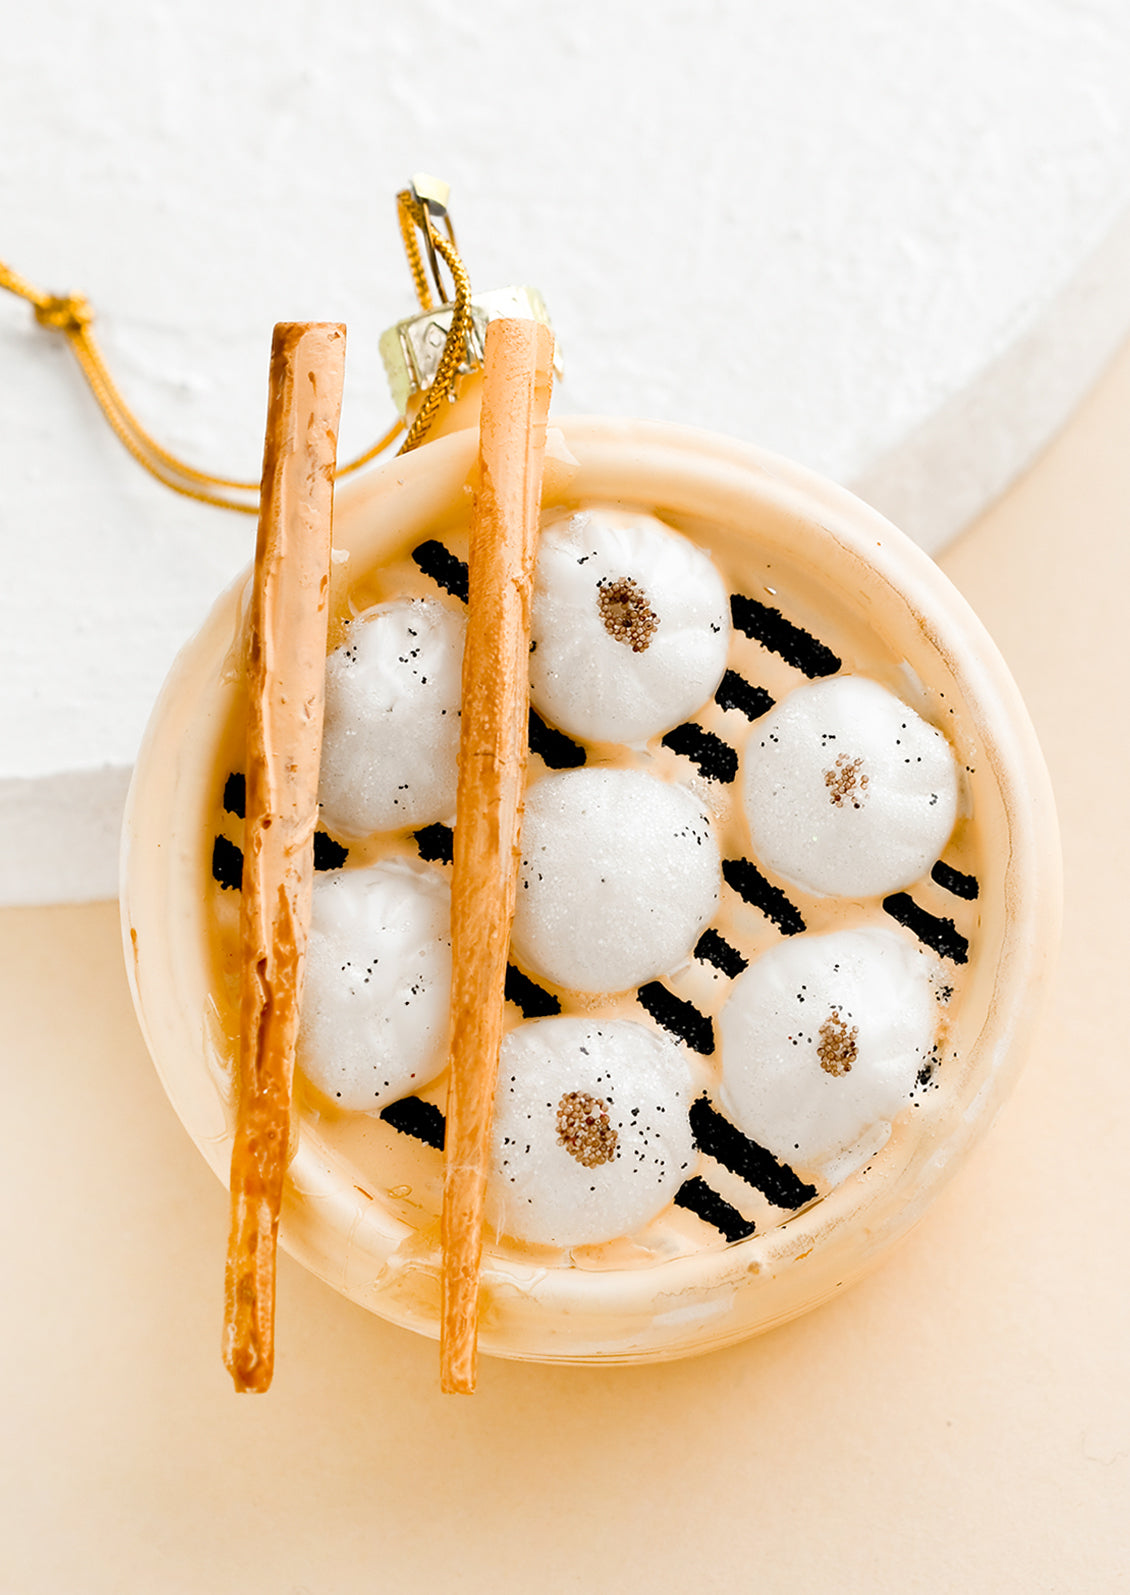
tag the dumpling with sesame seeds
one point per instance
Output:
(591, 1130)
(823, 1039)
(391, 736)
(848, 792)
(378, 984)
(631, 626)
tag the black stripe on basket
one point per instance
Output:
(940, 935)
(735, 692)
(533, 1000)
(328, 854)
(795, 646)
(227, 864)
(681, 1018)
(726, 1144)
(750, 884)
(435, 843)
(423, 1121)
(444, 568)
(715, 949)
(554, 748)
(235, 794)
(953, 881)
(716, 760)
(699, 1198)
(227, 859)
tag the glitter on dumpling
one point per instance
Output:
(591, 1131)
(847, 791)
(823, 1039)
(620, 873)
(631, 626)
(391, 734)
(378, 984)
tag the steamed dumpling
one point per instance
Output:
(591, 1131)
(391, 735)
(823, 1038)
(847, 791)
(631, 626)
(620, 872)
(378, 984)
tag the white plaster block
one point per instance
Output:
(61, 835)
(886, 237)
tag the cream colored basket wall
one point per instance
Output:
(898, 601)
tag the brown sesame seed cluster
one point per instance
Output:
(626, 613)
(583, 1129)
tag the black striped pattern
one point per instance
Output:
(726, 1144)
(750, 884)
(227, 858)
(940, 935)
(328, 854)
(716, 760)
(795, 646)
(699, 1198)
(554, 748)
(715, 949)
(227, 864)
(235, 794)
(443, 567)
(954, 882)
(735, 692)
(533, 1000)
(423, 1121)
(681, 1018)
(435, 843)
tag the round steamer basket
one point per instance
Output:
(361, 1201)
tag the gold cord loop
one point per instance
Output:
(415, 208)
(72, 315)
(410, 214)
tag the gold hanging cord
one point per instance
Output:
(427, 197)
(71, 314)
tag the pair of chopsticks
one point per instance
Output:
(286, 668)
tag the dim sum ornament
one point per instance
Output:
(784, 897)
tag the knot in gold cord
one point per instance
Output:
(69, 313)
(72, 315)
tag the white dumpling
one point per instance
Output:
(822, 1041)
(591, 1131)
(631, 626)
(378, 984)
(391, 735)
(620, 873)
(847, 791)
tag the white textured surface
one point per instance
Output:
(847, 791)
(391, 734)
(613, 662)
(620, 873)
(378, 984)
(886, 237)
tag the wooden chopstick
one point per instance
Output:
(492, 764)
(286, 657)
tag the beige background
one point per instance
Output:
(960, 1422)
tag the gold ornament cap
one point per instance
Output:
(412, 350)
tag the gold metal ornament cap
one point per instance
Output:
(412, 349)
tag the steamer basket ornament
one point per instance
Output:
(787, 892)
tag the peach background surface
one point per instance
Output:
(958, 1422)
